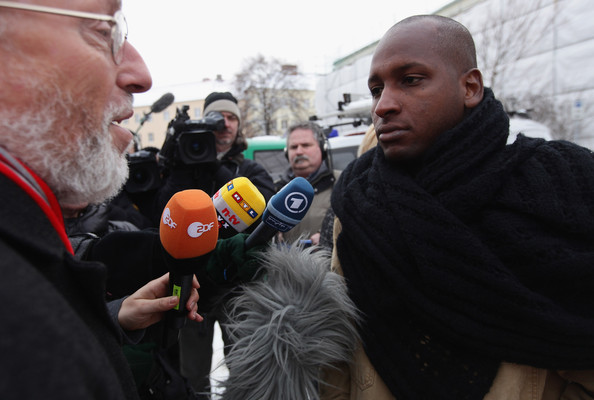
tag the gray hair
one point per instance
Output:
(317, 130)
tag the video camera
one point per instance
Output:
(144, 171)
(190, 142)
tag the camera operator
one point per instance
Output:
(203, 154)
(196, 154)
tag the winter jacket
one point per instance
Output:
(57, 338)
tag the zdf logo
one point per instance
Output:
(196, 229)
(167, 219)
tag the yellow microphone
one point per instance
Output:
(238, 205)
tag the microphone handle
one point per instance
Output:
(180, 285)
(262, 234)
(181, 275)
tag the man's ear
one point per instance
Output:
(474, 89)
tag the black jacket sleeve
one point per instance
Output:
(259, 177)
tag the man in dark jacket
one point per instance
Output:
(307, 155)
(65, 86)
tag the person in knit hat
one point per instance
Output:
(211, 176)
(226, 104)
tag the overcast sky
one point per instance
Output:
(186, 41)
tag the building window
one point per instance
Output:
(197, 112)
(166, 115)
(151, 137)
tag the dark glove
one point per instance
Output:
(230, 262)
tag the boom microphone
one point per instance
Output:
(239, 204)
(164, 101)
(188, 229)
(284, 210)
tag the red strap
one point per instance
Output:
(51, 207)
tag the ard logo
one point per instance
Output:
(296, 202)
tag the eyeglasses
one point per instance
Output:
(119, 28)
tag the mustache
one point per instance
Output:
(299, 158)
(115, 110)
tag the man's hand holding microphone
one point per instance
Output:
(147, 305)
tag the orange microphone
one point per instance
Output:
(188, 229)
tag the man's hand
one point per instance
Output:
(148, 304)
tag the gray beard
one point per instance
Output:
(73, 153)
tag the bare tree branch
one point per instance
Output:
(268, 89)
(505, 33)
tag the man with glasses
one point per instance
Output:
(67, 79)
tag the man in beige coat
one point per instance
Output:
(470, 261)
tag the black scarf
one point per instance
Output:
(485, 254)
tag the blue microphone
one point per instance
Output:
(284, 210)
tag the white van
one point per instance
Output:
(343, 149)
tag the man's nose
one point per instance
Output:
(389, 102)
(133, 74)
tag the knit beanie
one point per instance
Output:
(219, 101)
